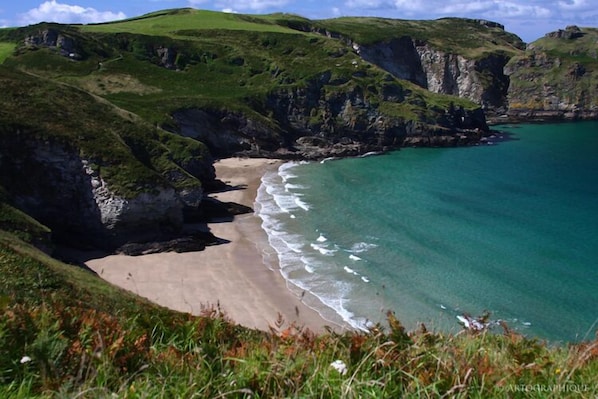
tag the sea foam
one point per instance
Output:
(302, 261)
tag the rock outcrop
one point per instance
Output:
(400, 57)
(226, 132)
(55, 39)
(146, 210)
(167, 57)
(49, 183)
(570, 32)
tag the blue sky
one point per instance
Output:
(530, 19)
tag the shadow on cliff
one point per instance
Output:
(195, 235)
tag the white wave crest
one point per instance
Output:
(362, 247)
(323, 250)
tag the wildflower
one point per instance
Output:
(339, 366)
(25, 359)
(557, 371)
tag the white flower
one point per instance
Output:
(25, 359)
(339, 366)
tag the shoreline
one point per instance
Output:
(240, 276)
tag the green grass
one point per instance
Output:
(230, 69)
(6, 50)
(460, 36)
(22, 225)
(171, 22)
(239, 62)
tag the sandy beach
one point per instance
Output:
(232, 275)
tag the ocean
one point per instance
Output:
(509, 227)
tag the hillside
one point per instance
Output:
(165, 65)
(91, 170)
(556, 77)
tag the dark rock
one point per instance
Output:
(195, 242)
(53, 38)
(167, 57)
(570, 32)
(489, 24)
(577, 70)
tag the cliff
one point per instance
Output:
(454, 56)
(556, 77)
(91, 172)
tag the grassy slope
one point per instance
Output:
(169, 22)
(226, 60)
(6, 49)
(460, 36)
(581, 49)
(126, 151)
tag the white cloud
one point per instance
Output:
(473, 8)
(52, 11)
(258, 5)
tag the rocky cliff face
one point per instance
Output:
(480, 80)
(555, 78)
(225, 132)
(311, 123)
(49, 183)
(55, 39)
(400, 57)
(52, 183)
(159, 210)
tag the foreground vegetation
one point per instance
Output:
(66, 333)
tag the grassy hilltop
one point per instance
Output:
(106, 94)
(221, 60)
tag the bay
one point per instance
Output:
(510, 227)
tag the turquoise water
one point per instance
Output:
(511, 228)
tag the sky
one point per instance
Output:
(530, 19)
